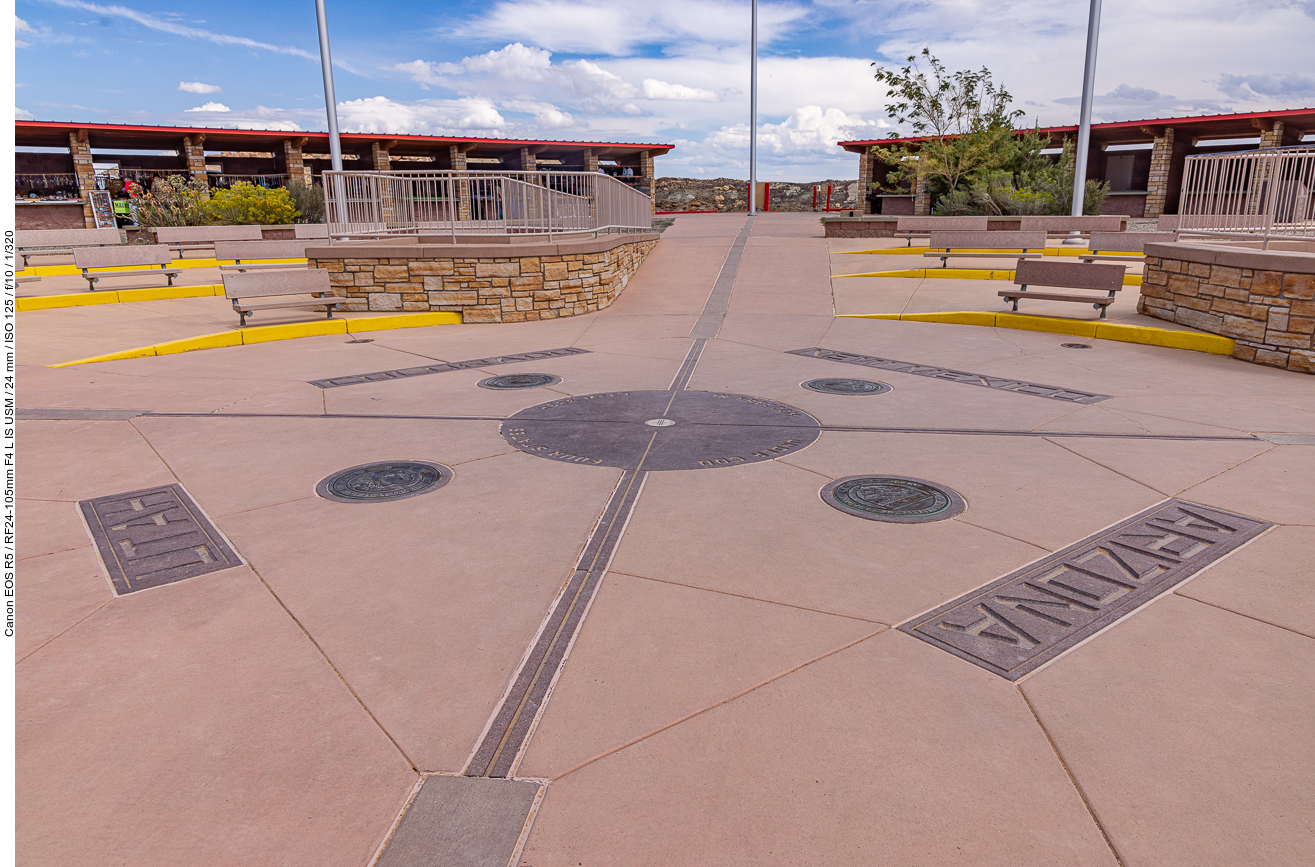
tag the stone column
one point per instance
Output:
(80, 148)
(293, 162)
(379, 159)
(921, 196)
(1271, 132)
(1157, 186)
(194, 153)
(457, 156)
(866, 170)
(590, 160)
(528, 163)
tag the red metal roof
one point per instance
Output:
(37, 133)
(1211, 124)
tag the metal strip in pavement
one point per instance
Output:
(1018, 623)
(461, 821)
(986, 432)
(509, 730)
(444, 367)
(720, 299)
(687, 366)
(999, 383)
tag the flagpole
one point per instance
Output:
(330, 102)
(1084, 119)
(753, 110)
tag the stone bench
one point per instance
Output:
(992, 241)
(248, 250)
(240, 288)
(1060, 225)
(921, 227)
(180, 238)
(62, 242)
(310, 231)
(1066, 275)
(120, 258)
(1122, 242)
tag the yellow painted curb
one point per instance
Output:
(405, 320)
(188, 344)
(65, 270)
(116, 296)
(964, 274)
(918, 251)
(266, 333)
(1213, 344)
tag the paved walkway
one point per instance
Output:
(705, 666)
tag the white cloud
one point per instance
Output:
(23, 114)
(163, 26)
(654, 89)
(198, 87)
(211, 106)
(621, 27)
(22, 26)
(380, 114)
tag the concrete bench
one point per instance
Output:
(1002, 241)
(1066, 275)
(241, 288)
(239, 251)
(20, 277)
(62, 242)
(180, 238)
(920, 227)
(124, 257)
(1059, 225)
(310, 231)
(1122, 242)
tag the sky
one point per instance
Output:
(656, 71)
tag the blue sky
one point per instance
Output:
(672, 71)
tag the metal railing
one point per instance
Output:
(1264, 195)
(365, 204)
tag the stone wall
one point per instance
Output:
(1263, 299)
(489, 282)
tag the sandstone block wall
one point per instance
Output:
(1264, 300)
(506, 283)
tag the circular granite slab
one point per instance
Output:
(665, 430)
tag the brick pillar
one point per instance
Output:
(80, 148)
(866, 169)
(293, 162)
(921, 196)
(379, 159)
(528, 163)
(590, 160)
(1271, 133)
(194, 153)
(1157, 186)
(646, 173)
(457, 156)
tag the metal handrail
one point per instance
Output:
(1262, 195)
(370, 203)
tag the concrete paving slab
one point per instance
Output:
(59, 590)
(1185, 726)
(255, 753)
(461, 822)
(77, 460)
(879, 748)
(1275, 484)
(1268, 580)
(652, 653)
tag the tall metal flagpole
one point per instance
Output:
(753, 110)
(330, 102)
(1084, 120)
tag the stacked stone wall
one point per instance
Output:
(484, 288)
(1268, 309)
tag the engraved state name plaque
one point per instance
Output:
(1020, 622)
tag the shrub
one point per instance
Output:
(174, 201)
(308, 199)
(246, 204)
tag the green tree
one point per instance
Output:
(174, 201)
(964, 117)
(308, 199)
(246, 204)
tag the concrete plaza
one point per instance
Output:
(738, 689)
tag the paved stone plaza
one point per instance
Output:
(620, 589)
